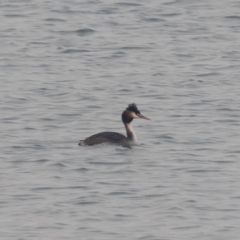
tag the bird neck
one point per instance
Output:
(130, 132)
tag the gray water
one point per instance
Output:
(69, 69)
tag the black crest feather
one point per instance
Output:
(133, 107)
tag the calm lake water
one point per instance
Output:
(69, 69)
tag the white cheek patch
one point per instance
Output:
(134, 115)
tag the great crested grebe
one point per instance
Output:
(113, 137)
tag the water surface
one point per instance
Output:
(69, 69)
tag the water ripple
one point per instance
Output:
(69, 69)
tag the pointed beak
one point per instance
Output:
(141, 116)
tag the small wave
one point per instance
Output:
(17, 147)
(107, 163)
(165, 136)
(42, 188)
(175, 209)
(207, 74)
(171, 14)
(54, 20)
(118, 193)
(42, 160)
(133, 48)
(106, 11)
(127, 4)
(118, 54)
(170, 3)
(202, 171)
(154, 195)
(86, 203)
(74, 51)
(84, 31)
(29, 128)
(124, 90)
(46, 119)
(185, 55)
(59, 165)
(154, 20)
(187, 227)
(10, 118)
(233, 17)
(80, 32)
(14, 15)
(227, 109)
(122, 215)
(75, 187)
(82, 169)
(190, 201)
(39, 43)
(226, 162)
